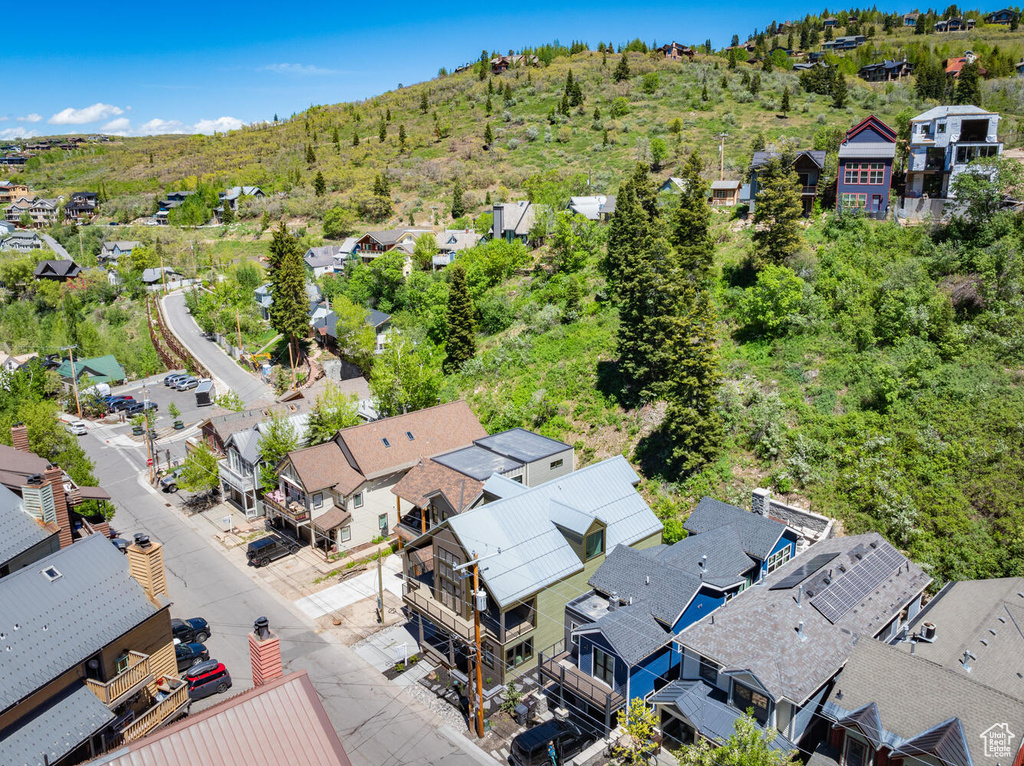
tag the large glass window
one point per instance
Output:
(778, 558)
(709, 670)
(746, 698)
(858, 173)
(595, 544)
(518, 654)
(449, 584)
(604, 666)
(856, 753)
(850, 201)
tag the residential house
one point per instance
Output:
(171, 201)
(954, 25)
(501, 64)
(59, 271)
(338, 494)
(865, 168)
(22, 241)
(513, 220)
(284, 717)
(676, 52)
(376, 243)
(6, 227)
(11, 191)
(829, 23)
(808, 164)
(161, 274)
(100, 369)
(81, 207)
(241, 467)
(15, 362)
(451, 242)
(111, 252)
(26, 538)
(885, 71)
(847, 43)
(541, 546)
(453, 482)
(815, 57)
(725, 193)
(235, 193)
(264, 299)
(89, 659)
(214, 432)
(953, 66)
(672, 184)
(943, 141)
(910, 19)
(777, 647)
(890, 706)
(1005, 16)
(325, 327)
(597, 207)
(323, 260)
(42, 212)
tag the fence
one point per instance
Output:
(175, 355)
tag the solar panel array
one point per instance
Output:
(803, 571)
(844, 594)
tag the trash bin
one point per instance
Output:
(521, 712)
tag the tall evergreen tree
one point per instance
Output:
(839, 91)
(785, 100)
(355, 138)
(777, 212)
(310, 155)
(458, 206)
(290, 306)
(968, 85)
(424, 104)
(622, 70)
(690, 227)
(488, 135)
(461, 344)
(320, 184)
(382, 131)
(401, 138)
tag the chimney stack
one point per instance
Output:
(761, 501)
(19, 437)
(146, 565)
(265, 653)
(613, 601)
(54, 476)
(37, 497)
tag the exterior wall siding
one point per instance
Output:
(540, 471)
(643, 676)
(788, 539)
(704, 603)
(586, 660)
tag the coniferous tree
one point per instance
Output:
(388, 115)
(755, 84)
(968, 85)
(458, 206)
(336, 138)
(488, 107)
(777, 212)
(733, 60)
(839, 91)
(310, 155)
(424, 105)
(622, 70)
(461, 344)
(401, 138)
(690, 227)
(488, 135)
(573, 301)
(355, 138)
(785, 100)
(320, 184)
(382, 131)
(289, 308)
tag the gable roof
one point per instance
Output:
(534, 554)
(456, 240)
(594, 206)
(21, 530)
(719, 550)
(102, 369)
(59, 269)
(664, 590)
(322, 467)
(727, 185)
(318, 257)
(66, 620)
(55, 730)
(758, 534)
(429, 478)
(390, 237)
(518, 217)
(757, 630)
(873, 123)
(814, 155)
(632, 632)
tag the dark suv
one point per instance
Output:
(532, 747)
(261, 552)
(207, 678)
(188, 655)
(192, 630)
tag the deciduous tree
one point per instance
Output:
(333, 411)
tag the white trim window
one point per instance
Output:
(604, 666)
(357, 500)
(318, 500)
(779, 558)
(346, 534)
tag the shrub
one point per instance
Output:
(774, 303)
(620, 107)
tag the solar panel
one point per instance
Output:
(844, 594)
(803, 571)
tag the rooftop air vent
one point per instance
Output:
(409, 434)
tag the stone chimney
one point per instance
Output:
(19, 437)
(265, 653)
(761, 502)
(54, 476)
(146, 565)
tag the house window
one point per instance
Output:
(121, 664)
(573, 625)
(604, 666)
(595, 544)
(382, 521)
(318, 500)
(779, 558)
(488, 654)
(357, 500)
(709, 670)
(860, 173)
(449, 584)
(51, 573)
(856, 753)
(746, 698)
(940, 127)
(518, 479)
(853, 201)
(519, 653)
(555, 464)
(346, 534)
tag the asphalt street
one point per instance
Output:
(378, 724)
(224, 369)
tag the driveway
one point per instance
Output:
(226, 372)
(60, 252)
(378, 723)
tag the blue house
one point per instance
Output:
(865, 168)
(621, 634)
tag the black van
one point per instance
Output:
(531, 748)
(261, 552)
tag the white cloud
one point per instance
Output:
(12, 133)
(31, 118)
(4, 119)
(162, 127)
(220, 125)
(306, 70)
(93, 113)
(119, 127)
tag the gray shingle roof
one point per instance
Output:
(631, 574)
(56, 730)
(632, 631)
(758, 534)
(317, 257)
(21, 530)
(763, 158)
(883, 150)
(66, 620)
(757, 630)
(726, 560)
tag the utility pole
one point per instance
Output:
(74, 377)
(238, 328)
(479, 658)
(380, 591)
(721, 155)
(149, 440)
(163, 276)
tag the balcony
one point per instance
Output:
(423, 602)
(286, 507)
(124, 684)
(558, 666)
(169, 703)
(503, 628)
(242, 482)
(808, 190)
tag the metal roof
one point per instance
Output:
(63, 621)
(520, 444)
(21, 530)
(939, 112)
(883, 150)
(534, 554)
(477, 462)
(55, 730)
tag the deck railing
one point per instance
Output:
(157, 713)
(137, 673)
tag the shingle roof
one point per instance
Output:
(630, 574)
(632, 631)
(757, 630)
(725, 185)
(66, 620)
(594, 206)
(758, 534)
(318, 257)
(534, 554)
(719, 549)
(56, 730)
(876, 149)
(325, 466)
(20, 529)
(763, 158)
(68, 269)
(519, 217)
(429, 477)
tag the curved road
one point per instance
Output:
(226, 372)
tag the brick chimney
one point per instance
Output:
(19, 437)
(265, 653)
(146, 565)
(54, 476)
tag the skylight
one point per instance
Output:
(409, 434)
(51, 573)
(386, 442)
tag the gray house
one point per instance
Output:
(513, 220)
(808, 165)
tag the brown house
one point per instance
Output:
(676, 52)
(89, 661)
(725, 193)
(11, 191)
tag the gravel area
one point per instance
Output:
(446, 712)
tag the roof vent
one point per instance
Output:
(409, 434)
(36, 478)
(800, 630)
(647, 581)
(966, 661)
(386, 442)
(928, 631)
(262, 628)
(874, 543)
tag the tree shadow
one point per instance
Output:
(612, 382)
(652, 455)
(741, 274)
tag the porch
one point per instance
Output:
(169, 703)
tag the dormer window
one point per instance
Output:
(594, 544)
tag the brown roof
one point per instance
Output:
(332, 519)
(434, 430)
(428, 478)
(282, 721)
(324, 466)
(232, 422)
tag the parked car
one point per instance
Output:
(121, 544)
(186, 384)
(194, 629)
(134, 408)
(207, 678)
(531, 747)
(169, 483)
(120, 403)
(75, 427)
(261, 552)
(190, 654)
(169, 379)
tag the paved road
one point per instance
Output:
(224, 369)
(54, 245)
(377, 722)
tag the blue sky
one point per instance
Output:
(143, 67)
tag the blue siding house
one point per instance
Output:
(865, 168)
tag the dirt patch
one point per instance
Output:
(359, 620)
